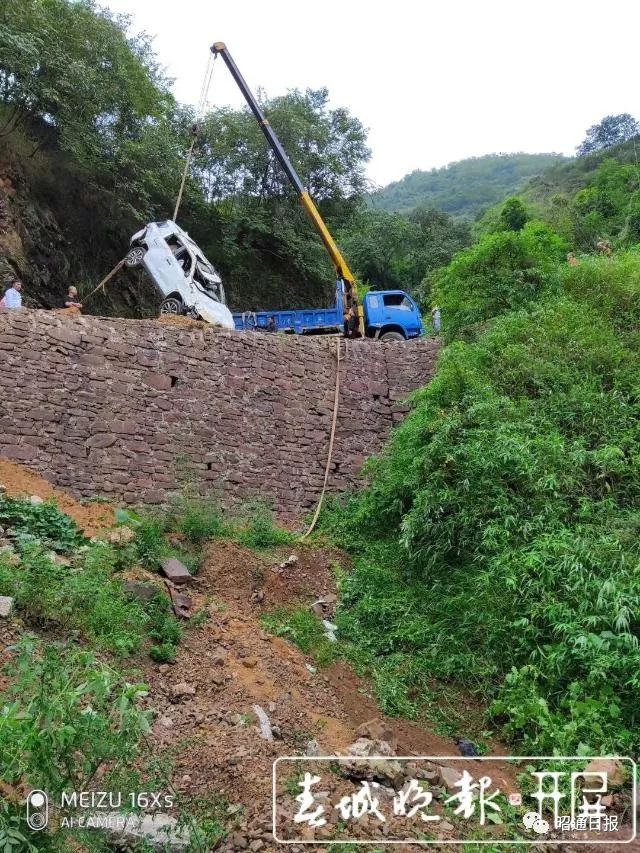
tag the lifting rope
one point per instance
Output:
(107, 277)
(202, 105)
(336, 400)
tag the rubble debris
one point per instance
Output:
(182, 689)
(449, 778)
(614, 769)
(265, 726)
(330, 630)
(377, 730)
(141, 591)
(181, 603)
(290, 561)
(159, 831)
(312, 748)
(36, 500)
(121, 535)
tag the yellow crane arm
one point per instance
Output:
(342, 268)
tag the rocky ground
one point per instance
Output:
(237, 697)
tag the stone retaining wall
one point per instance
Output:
(129, 408)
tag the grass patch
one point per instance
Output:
(87, 596)
(302, 628)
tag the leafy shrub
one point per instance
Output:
(261, 530)
(43, 522)
(200, 519)
(505, 516)
(64, 716)
(504, 271)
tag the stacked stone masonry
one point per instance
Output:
(129, 409)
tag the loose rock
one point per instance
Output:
(6, 606)
(449, 778)
(182, 689)
(614, 769)
(176, 571)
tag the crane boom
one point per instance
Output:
(342, 268)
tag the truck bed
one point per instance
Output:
(303, 322)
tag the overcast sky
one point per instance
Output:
(433, 81)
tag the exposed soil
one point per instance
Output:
(20, 481)
(233, 665)
(204, 703)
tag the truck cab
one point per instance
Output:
(391, 315)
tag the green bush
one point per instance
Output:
(64, 716)
(260, 529)
(505, 512)
(504, 271)
(40, 522)
(200, 519)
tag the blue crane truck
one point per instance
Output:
(389, 315)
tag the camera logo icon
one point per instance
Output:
(37, 810)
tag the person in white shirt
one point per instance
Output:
(12, 298)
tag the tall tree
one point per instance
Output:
(612, 130)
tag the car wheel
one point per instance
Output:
(134, 256)
(392, 336)
(172, 305)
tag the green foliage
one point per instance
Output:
(42, 522)
(303, 628)
(260, 529)
(72, 67)
(64, 716)
(392, 251)
(513, 215)
(506, 505)
(200, 519)
(88, 597)
(502, 272)
(467, 187)
(612, 130)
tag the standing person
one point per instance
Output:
(72, 298)
(271, 325)
(435, 316)
(12, 299)
(353, 321)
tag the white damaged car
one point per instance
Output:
(189, 284)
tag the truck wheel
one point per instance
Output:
(392, 336)
(134, 256)
(172, 305)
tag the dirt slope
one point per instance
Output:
(233, 665)
(19, 481)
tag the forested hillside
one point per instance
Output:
(496, 546)
(465, 188)
(88, 155)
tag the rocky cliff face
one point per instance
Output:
(56, 230)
